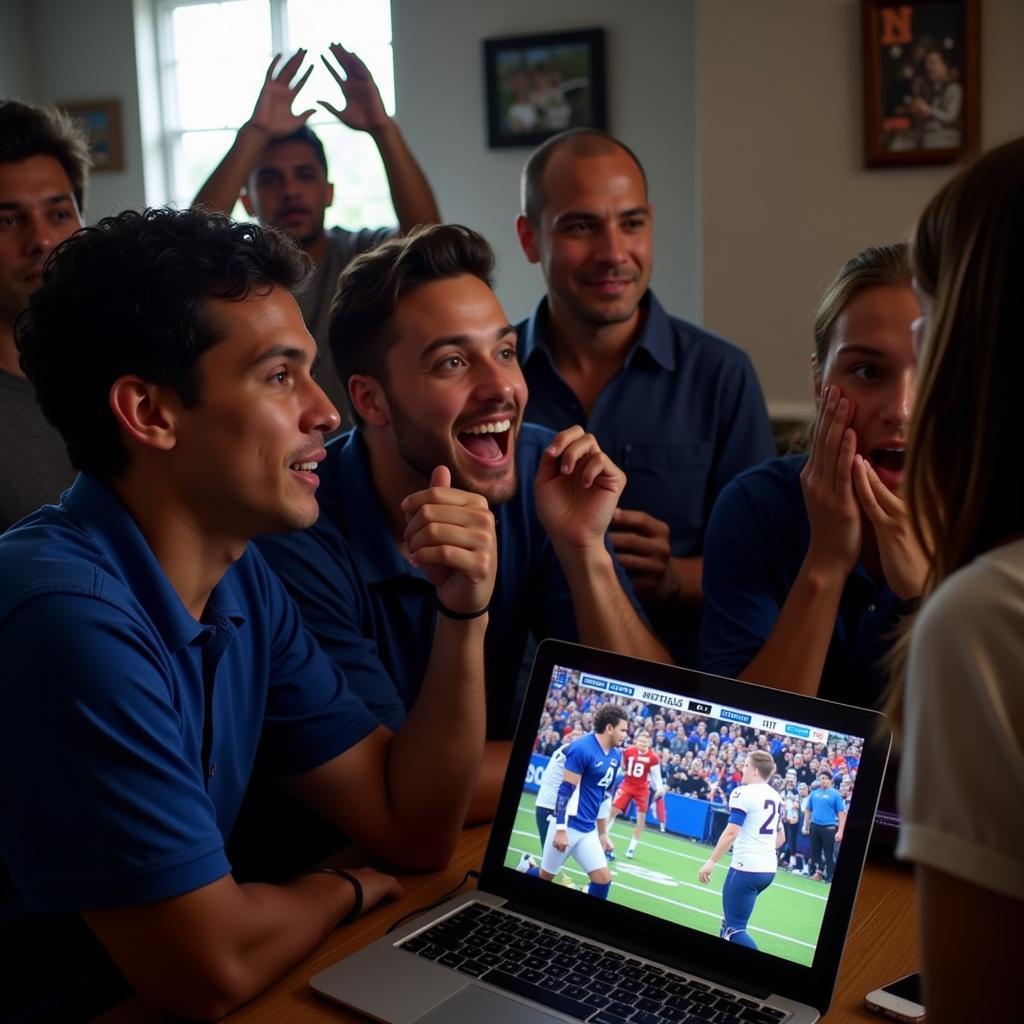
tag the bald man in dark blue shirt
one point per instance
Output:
(679, 409)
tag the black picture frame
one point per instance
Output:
(539, 85)
(922, 81)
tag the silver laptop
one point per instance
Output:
(533, 946)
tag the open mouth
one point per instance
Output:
(890, 459)
(488, 442)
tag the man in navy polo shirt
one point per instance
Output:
(429, 359)
(679, 409)
(151, 659)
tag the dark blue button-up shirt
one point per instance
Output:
(682, 417)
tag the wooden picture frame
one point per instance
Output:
(922, 81)
(540, 85)
(101, 120)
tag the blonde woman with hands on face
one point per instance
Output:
(810, 563)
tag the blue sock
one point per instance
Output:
(535, 871)
(600, 891)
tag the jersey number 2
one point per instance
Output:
(772, 807)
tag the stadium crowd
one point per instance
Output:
(702, 758)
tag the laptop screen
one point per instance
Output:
(715, 817)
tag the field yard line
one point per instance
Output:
(689, 856)
(682, 906)
(700, 860)
(617, 863)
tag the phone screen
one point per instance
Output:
(906, 988)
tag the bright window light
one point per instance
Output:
(213, 57)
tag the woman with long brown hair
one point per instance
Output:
(962, 770)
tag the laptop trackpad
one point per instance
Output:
(478, 1004)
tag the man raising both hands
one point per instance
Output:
(278, 168)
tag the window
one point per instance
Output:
(213, 57)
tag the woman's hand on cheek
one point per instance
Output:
(827, 484)
(904, 563)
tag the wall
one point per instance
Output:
(785, 198)
(750, 131)
(85, 50)
(650, 72)
(90, 48)
(15, 63)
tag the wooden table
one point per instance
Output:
(881, 946)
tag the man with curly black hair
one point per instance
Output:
(153, 663)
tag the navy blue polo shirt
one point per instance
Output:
(757, 540)
(130, 730)
(374, 613)
(682, 417)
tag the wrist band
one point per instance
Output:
(461, 616)
(909, 606)
(357, 906)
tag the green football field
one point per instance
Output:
(662, 880)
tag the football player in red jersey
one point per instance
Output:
(641, 765)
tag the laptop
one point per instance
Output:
(522, 949)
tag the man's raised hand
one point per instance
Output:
(364, 110)
(576, 489)
(450, 535)
(273, 111)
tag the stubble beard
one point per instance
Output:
(597, 315)
(424, 450)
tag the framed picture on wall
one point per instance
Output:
(540, 85)
(921, 81)
(102, 122)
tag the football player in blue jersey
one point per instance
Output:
(591, 764)
(755, 826)
(547, 795)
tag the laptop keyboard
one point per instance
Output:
(575, 977)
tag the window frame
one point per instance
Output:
(170, 138)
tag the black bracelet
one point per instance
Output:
(908, 607)
(461, 616)
(357, 906)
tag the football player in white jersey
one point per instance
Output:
(550, 780)
(757, 830)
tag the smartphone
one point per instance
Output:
(900, 1000)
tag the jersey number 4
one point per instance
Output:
(607, 780)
